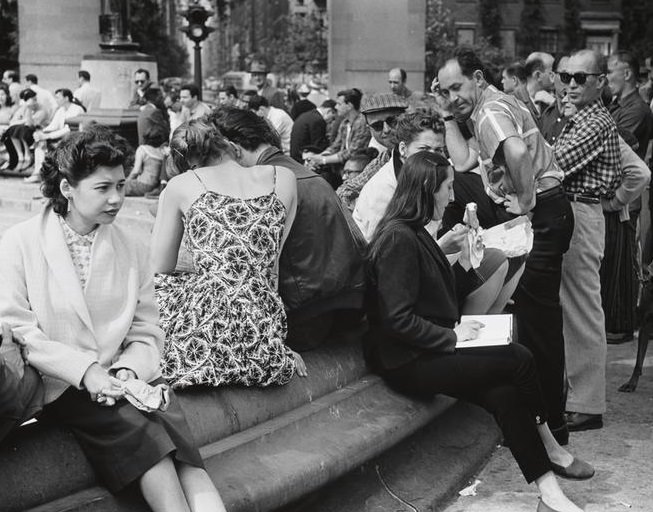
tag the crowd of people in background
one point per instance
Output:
(304, 217)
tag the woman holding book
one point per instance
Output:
(415, 335)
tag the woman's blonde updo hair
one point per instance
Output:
(197, 142)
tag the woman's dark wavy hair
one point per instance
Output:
(244, 127)
(413, 202)
(76, 157)
(197, 140)
(410, 125)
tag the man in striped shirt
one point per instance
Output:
(519, 171)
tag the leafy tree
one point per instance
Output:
(572, 30)
(298, 45)
(528, 35)
(8, 34)
(637, 28)
(440, 37)
(490, 21)
(148, 29)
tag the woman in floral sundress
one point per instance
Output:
(224, 323)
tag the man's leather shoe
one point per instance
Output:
(578, 421)
(577, 470)
(617, 338)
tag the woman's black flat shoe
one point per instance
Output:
(577, 470)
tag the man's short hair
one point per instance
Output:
(12, 75)
(257, 102)
(628, 58)
(516, 69)
(352, 96)
(402, 74)
(534, 65)
(230, 90)
(330, 104)
(27, 94)
(145, 71)
(192, 89)
(32, 78)
(556, 61)
(244, 127)
(600, 62)
(84, 74)
(469, 61)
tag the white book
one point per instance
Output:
(497, 330)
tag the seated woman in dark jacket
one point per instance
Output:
(413, 315)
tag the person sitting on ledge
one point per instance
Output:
(225, 323)
(414, 331)
(484, 290)
(21, 390)
(321, 268)
(77, 291)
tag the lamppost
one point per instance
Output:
(197, 31)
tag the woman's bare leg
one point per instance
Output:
(201, 494)
(480, 300)
(162, 489)
(506, 292)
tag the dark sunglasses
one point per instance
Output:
(377, 126)
(139, 81)
(579, 78)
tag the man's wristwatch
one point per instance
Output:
(448, 118)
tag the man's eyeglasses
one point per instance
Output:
(139, 82)
(377, 126)
(579, 78)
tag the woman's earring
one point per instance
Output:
(68, 207)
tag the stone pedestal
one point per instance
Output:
(369, 37)
(53, 37)
(113, 74)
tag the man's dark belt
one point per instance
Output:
(550, 192)
(583, 198)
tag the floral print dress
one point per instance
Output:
(225, 323)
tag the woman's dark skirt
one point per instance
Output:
(619, 273)
(122, 442)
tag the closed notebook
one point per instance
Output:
(497, 331)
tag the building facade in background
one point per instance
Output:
(592, 23)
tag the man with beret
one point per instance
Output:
(380, 111)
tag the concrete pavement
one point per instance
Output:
(621, 452)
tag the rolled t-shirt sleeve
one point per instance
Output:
(495, 125)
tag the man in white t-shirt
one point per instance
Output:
(278, 118)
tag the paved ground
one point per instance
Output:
(622, 453)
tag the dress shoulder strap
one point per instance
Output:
(274, 183)
(199, 179)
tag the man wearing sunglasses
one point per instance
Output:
(520, 172)
(142, 83)
(587, 150)
(381, 112)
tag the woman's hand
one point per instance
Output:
(453, 240)
(468, 330)
(103, 388)
(300, 365)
